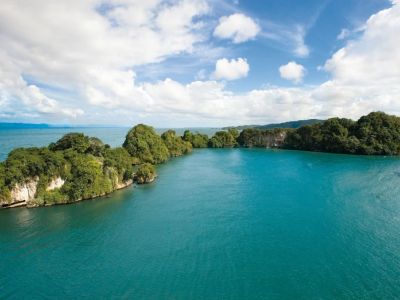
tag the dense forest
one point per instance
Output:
(84, 167)
(374, 134)
(79, 167)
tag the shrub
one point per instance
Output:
(146, 173)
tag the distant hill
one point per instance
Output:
(290, 124)
(22, 125)
(6, 125)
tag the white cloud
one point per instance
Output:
(95, 57)
(231, 69)
(365, 77)
(210, 102)
(300, 47)
(372, 58)
(292, 71)
(237, 27)
(88, 47)
(344, 33)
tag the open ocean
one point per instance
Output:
(216, 224)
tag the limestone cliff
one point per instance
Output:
(55, 183)
(24, 192)
(252, 137)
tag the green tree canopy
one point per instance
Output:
(76, 141)
(196, 139)
(222, 139)
(376, 133)
(120, 160)
(143, 142)
(175, 144)
(145, 173)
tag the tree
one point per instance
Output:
(222, 139)
(196, 139)
(120, 160)
(143, 142)
(376, 133)
(76, 141)
(146, 173)
(176, 146)
(96, 146)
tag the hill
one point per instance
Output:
(4, 125)
(290, 124)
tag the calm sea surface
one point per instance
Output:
(217, 224)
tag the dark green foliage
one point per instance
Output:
(4, 190)
(196, 139)
(374, 134)
(175, 144)
(96, 147)
(23, 163)
(89, 169)
(234, 132)
(145, 173)
(253, 137)
(56, 196)
(86, 179)
(378, 133)
(143, 143)
(222, 139)
(75, 141)
(120, 160)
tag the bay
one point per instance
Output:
(217, 224)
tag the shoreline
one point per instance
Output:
(25, 205)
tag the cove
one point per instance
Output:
(218, 224)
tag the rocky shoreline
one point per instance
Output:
(20, 192)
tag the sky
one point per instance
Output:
(197, 63)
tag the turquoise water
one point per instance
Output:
(218, 224)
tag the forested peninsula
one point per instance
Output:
(79, 167)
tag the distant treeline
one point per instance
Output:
(374, 134)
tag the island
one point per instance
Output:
(78, 167)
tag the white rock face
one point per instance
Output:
(56, 183)
(24, 192)
(123, 184)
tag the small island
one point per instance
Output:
(78, 167)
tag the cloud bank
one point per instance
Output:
(80, 67)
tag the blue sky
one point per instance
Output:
(196, 62)
(322, 22)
